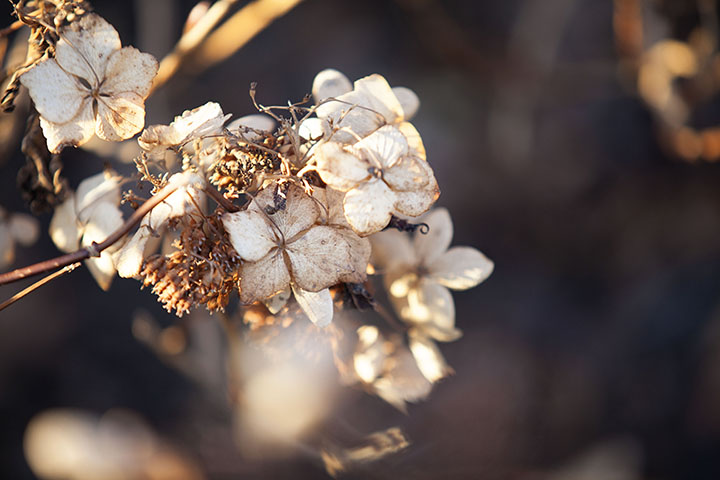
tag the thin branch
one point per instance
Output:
(95, 248)
(38, 284)
(222, 201)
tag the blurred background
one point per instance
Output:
(574, 143)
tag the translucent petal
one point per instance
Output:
(73, 133)
(429, 360)
(460, 268)
(120, 116)
(431, 245)
(338, 168)
(330, 83)
(408, 100)
(103, 187)
(129, 70)
(392, 250)
(105, 220)
(318, 306)
(24, 228)
(415, 144)
(404, 382)
(64, 228)
(431, 308)
(251, 234)
(56, 95)
(368, 208)
(383, 148)
(408, 174)
(264, 278)
(326, 256)
(85, 46)
(300, 211)
(416, 202)
(382, 98)
(369, 354)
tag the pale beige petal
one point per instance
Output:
(403, 383)
(129, 70)
(103, 187)
(460, 268)
(7, 246)
(74, 133)
(383, 100)
(56, 95)
(332, 202)
(25, 229)
(312, 128)
(427, 355)
(249, 126)
(251, 234)
(106, 218)
(129, 259)
(369, 355)
(368, 208)
(383, 148)
(278, 301)
(430, 307)
(156, 139)
(408, 100)
(408, 174)
(300, 211)
(120, 117)
(207, 119)
(64, 230)
(85, 46)
(264, 278)
(330, 83)
(392, 251)
(318, 306)
(417, 202)
(326, 256)
(412, 136)
(338, 168)
(431, 245)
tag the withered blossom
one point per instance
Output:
(91, 85)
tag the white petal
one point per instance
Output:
(56, 95)
(430, 307)
(246, 126)
(408, 100)
(318, 306)
(101, 188)
(415, 203)
(368, 208)
(338, 168)
(330, 83)
(383, 99)
(129, 70)
(64, 227)
(326, 256)
(24, 228)
(415, 144)
(431, 245)
(369, 354)
(264, 278)
(460, 268)
(85, 46)
(105, 220)
(73, 133)
(251, 234)
(383, 148)
(120, 116)
(409, 174)
(312, 128)
(428, 358)
(129, 259)
(207, 119)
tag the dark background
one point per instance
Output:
(600, 323)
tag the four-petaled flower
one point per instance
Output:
(92, 85)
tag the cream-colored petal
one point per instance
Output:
(415, 144)
(129, 259)
(7, 246)
(332, 206)
(416, 202)
(460, 268)
(431, 245)
(299, 213)
(368, 207)
(247, 127)
(25, 229)
(74, 133)
(207, 119)
(392, 251)
(85, 46)
(404, 382)
(278, 301)
(338, 168)
(106, 218)
(312, 128)
(330, 83)
(120, 116)
(264, 278)
(427, 355)
(430, 307)
(64, 230)
(383, 148)
(369, 356)
(103, 187)
(318, 306)
(409, 101)
(326, 256)
(129, 70)
(408, 174)
(251, 234)
(57, 96)
(156, 139)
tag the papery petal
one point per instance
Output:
(392, 250)
(251, 234)
(278, 301)
(417, 202)
(312, 128)
(338, 168)
(247, 127)
(7, 246)
(57, 95)
(460, 268)
(129, 70)
(24, 229)
(85, 46)
(408, 100)
(369, 354)
(382, 98)
(64, 230)
(431, 245)
(403, 383)
(129, 259)
(427, 355)
(103, 187)
(73, 133)
(264, 278)
(318, 306)
(330, 83)
(106, 218)
(430, 307)
(368, 207)
(408, 174)
(120, 116)
(207, 119)
(299, 214)
(326, 256)
(382, 148)
(332, 200)
(415, 144)
(156, 139)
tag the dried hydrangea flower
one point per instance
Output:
(15, 228)
(92, 85)
(283, 241)
(90, 215)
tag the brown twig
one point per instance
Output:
(38, 284)
(222, 201)
(95, 248)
